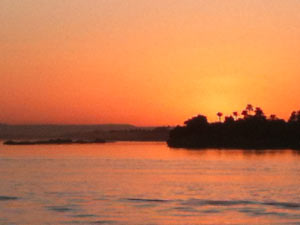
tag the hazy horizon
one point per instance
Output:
(147, 63)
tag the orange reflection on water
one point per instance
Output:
(148, 183)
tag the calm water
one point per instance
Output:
(147, 183)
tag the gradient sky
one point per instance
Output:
(145, 62)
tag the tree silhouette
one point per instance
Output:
(254, 131)
(229, 120)
(273, 117)
(197, 121)
(249, 108)
(245, 113)
(219, 114)
(293, 117)
(258, 112)
(298, 116)
(235, 115)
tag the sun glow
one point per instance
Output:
(146, 63)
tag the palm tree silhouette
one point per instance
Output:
(235, 115)
(259, 112)
(219, 114)
(249, 108)
(245, 113)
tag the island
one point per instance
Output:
(250, 129)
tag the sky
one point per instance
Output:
(146, 62)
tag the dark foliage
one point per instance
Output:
(253, 131)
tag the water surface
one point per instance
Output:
(147, 184)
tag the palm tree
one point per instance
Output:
(219, 114)
(259, 112)
(249, 108)
(235, 115)
(245, 113)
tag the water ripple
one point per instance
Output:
(8, 198)
(201, 202)
(59, 208)
(145, 200)
(283, 204)
(84, 215)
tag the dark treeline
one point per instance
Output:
(252, 130)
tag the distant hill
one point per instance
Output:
(136, 134)
(54, 131)
(108, 132)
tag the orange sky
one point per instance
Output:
(146, 62)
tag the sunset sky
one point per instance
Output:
(146, 62)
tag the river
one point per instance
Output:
(147, 183)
